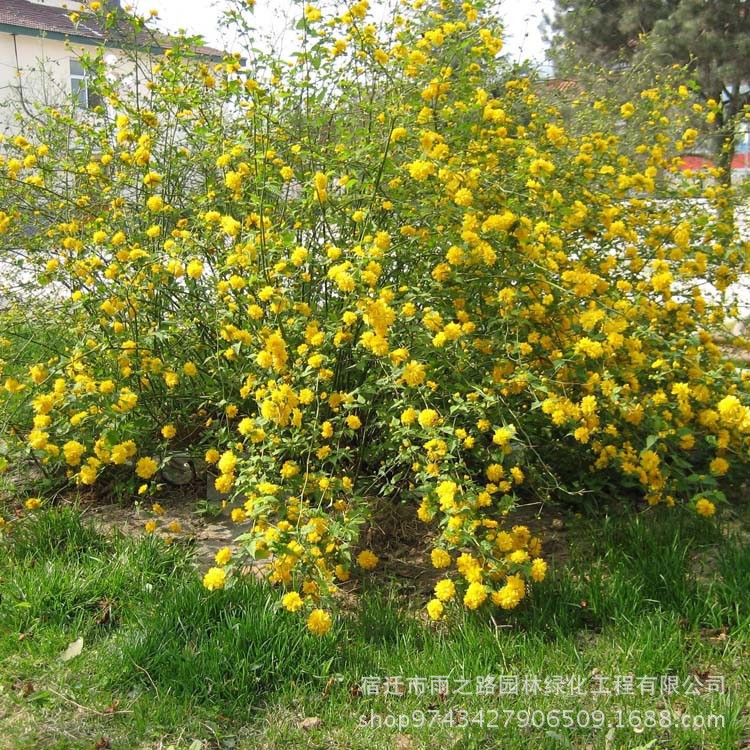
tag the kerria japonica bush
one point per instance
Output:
(388, 270)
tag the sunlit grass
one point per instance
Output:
(164, 658)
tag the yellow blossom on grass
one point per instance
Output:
(367, 559)
(319, 622)
(435, 609)
(538, 570)
(292, 602)
(32, 503)
(511, 593)
(475, 595)
(214, 579)
(704, 507)
(445, 589)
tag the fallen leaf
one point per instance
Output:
(74, 649)
(311, 722)
(102, 743)
(402, 742)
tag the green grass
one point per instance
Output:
(166, 662)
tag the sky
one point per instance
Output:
(522, 20)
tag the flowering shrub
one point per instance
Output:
(387, 269)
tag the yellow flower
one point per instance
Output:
(146, 467)
(353, 422)
(319, 622)
(503, 435)
(195, 269)
(223, 556)
(150, 527)
(428, 418)
(475, 595)
(73, 451)
(320, 183)
(33, 503)
(155, 203)
(152, 179)
(463, 197)
(414, 373)
(538, 570)
(312, 13)
(511, 594)
(214, 579)
(435, 609)
(409, 416)
(719, 466)
(519, 556)
(440, 558)
(445, 589)
(705, 507)
(168, 431)
(367, 559)
(227, 462)
(421, 170)
(292, 602)
(87, 474)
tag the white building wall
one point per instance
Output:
(33, 69)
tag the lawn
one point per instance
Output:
(639, 638)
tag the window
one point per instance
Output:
(80, 87)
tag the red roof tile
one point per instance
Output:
(28, 15)
(45, 19)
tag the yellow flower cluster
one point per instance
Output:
(443, 294)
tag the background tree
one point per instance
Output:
(604, 31)
(711, 38)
